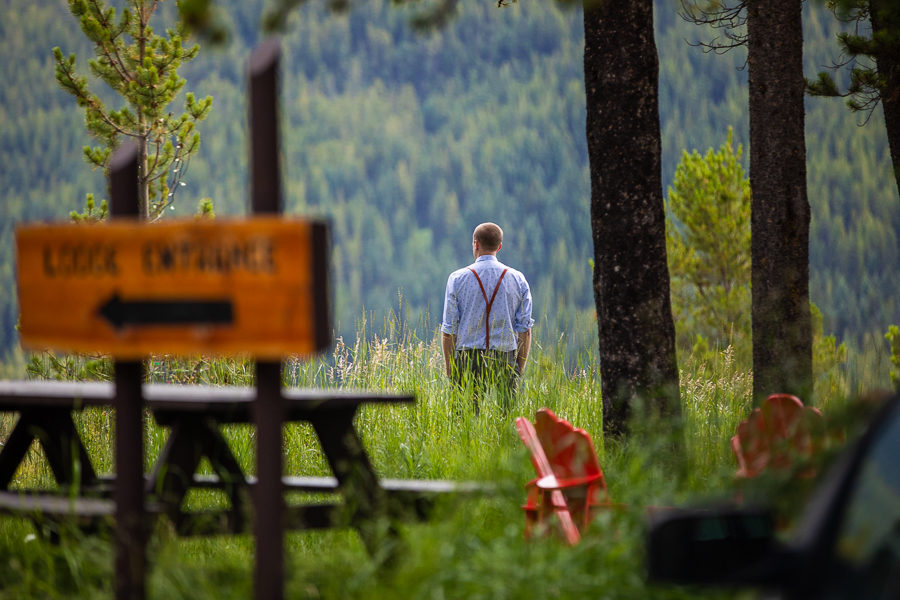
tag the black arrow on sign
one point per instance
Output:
(120, 313)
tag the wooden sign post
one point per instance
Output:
(265, 191)
(256, 287)
(128, 494)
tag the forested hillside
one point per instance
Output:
(407, 141)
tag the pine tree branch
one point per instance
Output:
(109, 121)
(114, 59)
(154, 162)
(717, 14)
(77, 86)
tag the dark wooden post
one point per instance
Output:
(131, 530)
(265, 185)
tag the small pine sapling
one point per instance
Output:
(142, 68)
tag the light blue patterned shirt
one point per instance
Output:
(465, 309)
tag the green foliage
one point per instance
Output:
(205, 209)
(708, 245)
(405, 142)
(32, 567)
(91, 213)
(893, 338)
(842, 162)
(142, 68)
(47, 365)
(829, 361)
(862, 54)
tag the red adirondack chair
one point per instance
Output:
(775, 435)
(570, 481)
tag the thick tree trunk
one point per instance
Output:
(780, 213)
(885, 17)
(631, 277)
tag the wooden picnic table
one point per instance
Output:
(193, 415)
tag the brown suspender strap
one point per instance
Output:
(488, 304)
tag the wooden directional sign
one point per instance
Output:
(256, 287)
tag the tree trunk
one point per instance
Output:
(142, 126)
(780, 213)
(631, 277)
(143, 175)
(886, 22)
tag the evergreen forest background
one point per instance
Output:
(406, 141)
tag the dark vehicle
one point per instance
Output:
(847, 544)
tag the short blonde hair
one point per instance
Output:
(489, 235)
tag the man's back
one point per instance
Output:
(466, 304)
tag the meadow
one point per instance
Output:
(473, 547)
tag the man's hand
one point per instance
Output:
(448, 347)
(523, 346)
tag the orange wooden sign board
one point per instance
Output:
(256, 287)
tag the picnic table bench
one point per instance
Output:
(193, 414)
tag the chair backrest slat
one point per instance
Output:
(536, 450)
(570, 450)
(773, 435)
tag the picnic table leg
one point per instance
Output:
(55, 431)
(60, 442)
(173, 473)
(351, 467)
(15, 449)
(226, 466)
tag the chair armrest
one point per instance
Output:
(551, 482)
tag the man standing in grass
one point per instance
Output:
(486, 328)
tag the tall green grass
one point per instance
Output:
(473, 547)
